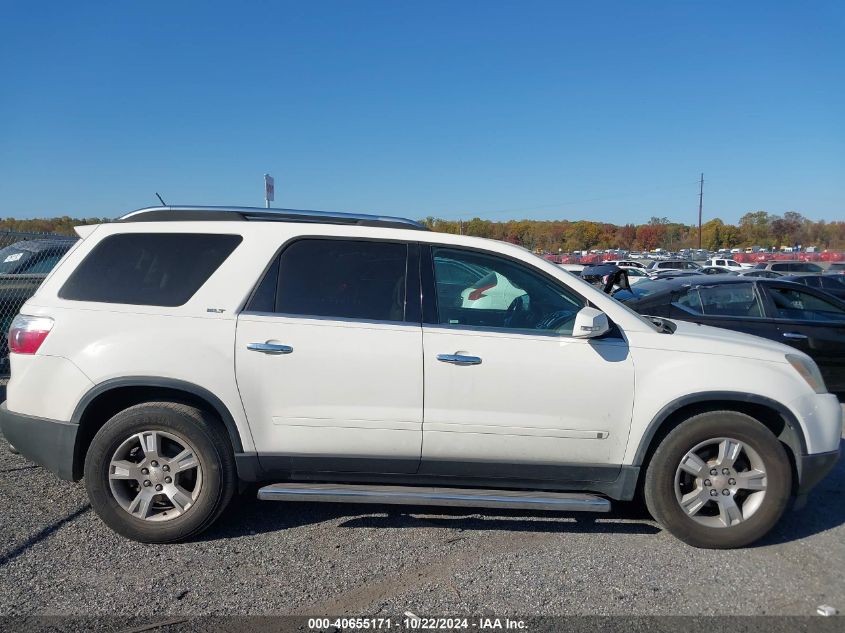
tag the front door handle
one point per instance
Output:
(459, 359)
(794, 336)
(270, 348)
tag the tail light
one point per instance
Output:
(477, 293)
(27, 333)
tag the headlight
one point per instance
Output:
(809, 371)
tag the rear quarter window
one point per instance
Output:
(156, 269)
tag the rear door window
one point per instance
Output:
(156, 269)
(733, 300)
(343, 279)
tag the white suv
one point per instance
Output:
(181, 351)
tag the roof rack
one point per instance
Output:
(245, 214)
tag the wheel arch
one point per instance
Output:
(106, 399)
(774, 415)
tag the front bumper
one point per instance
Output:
(47, 442)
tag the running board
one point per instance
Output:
(455, 497)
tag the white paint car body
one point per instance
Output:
(352, 390)
(727, 262)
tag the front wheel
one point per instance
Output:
(719, 480)
(160, 472)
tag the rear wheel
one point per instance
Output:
(160, 472)
(719, 480)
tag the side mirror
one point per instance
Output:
(590, 323)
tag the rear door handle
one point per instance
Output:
(270, 348)
(459, 359)
(794, 336)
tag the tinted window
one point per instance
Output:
(832, 283)
(805, 267)
(781, 267)
(803, 306)
(737, 300)
(343, 279)
(157, 269)
(508, 296)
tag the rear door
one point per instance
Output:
(813, 323)
(329, 358)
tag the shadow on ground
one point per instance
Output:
(250, 516)
(825, 510)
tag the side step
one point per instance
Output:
(456, 497)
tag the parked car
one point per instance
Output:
(767, 274)
(791, 267)
(805, 318)
(837, 268)
(831, 284)
(717, 270)
(729, 264)
(189, 349)
(635, 275)
(625, 263)
(23, 266)
(673, 273)
(672, 264)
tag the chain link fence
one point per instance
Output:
(25, 260)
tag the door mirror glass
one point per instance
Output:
(590, 323)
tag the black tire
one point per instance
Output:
(214, 454)
(659, 487)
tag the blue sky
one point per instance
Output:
(581, 110)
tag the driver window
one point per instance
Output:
(481, 290)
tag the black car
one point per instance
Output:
(801, 316)
(832, 284)
(23, 266)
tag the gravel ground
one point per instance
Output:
(275, 558)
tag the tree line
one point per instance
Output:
(756, 228)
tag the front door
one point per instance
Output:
(808, 321)
(329, 358)
(508, 391)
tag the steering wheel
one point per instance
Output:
(519, 313)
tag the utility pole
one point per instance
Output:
(700, 205)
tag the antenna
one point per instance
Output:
(163, 203)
